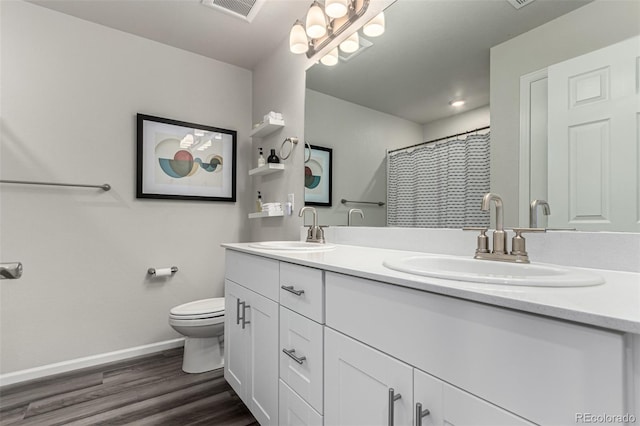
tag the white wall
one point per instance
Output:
(459, 123)
(359, 138)
(588, 28)
(278, 85)
(70, 92)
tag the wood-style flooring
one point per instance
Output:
(151, 390)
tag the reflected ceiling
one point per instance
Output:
(432, 52)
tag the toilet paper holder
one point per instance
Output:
(152, 271)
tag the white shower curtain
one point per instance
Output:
(439, 185)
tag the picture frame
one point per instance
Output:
(177, 160)
(318, 172)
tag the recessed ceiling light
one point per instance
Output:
(457, 103)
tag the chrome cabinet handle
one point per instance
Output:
(298, 359)
(420, 413)
(290, 289)
(244, 314)
(238, 311)
(393, 397)
(10, 271)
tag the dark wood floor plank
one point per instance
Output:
(150, 390)
(136, 412)
(22, 395)
(9, 417)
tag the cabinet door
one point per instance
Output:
(358, 380)
(448, 405)
(294, 411)
(263, 359)
(236, 340)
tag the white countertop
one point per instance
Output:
(613, 305)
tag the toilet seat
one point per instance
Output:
(200, 309)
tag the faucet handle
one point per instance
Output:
(518, 247)
(523, 230)
(483, 240)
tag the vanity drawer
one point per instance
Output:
(515, 360)
(294, 411)
(256, 273)
(302, 290)
(302, 338)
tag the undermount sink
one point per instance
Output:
(493, 272)
(292, 246)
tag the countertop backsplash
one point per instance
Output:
(616, 251)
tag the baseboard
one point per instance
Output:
(89, 361)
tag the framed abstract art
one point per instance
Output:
(185, 161)
(317, 176)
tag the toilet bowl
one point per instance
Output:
(202, 324)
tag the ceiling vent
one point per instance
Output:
(520, 3)
(243, 9)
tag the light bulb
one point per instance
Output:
(351, 44)
(375, 27)
(331, 58)
(316, 22)
(298, 39)
(336, 8)
(457, 103)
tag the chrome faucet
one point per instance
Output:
(518, 252)
(315, 233)
(499, 236)
(351, 211)
(533, 213)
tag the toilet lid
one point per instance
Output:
(200, 307)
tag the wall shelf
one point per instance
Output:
(266, 169)
(266, 128)
(265, 214)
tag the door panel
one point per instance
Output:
(593, 178)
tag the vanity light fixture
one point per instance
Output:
(316, 21)
(374, 27)
(457, 103)
(331, 58)
(323, 26)
(336, 8)
(351, 44)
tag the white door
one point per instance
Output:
(262, 327)
(593, 140)
(358, 380)
(236, 340)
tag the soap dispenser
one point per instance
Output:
(259, 203)
(261, 160)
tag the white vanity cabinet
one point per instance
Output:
(251, 333)
(543, 370)
(306, 346)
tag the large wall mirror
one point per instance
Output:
(396, 92)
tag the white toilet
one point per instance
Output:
(202, 324)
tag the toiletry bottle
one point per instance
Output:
(261, 160)
(259, 203)
(273, 158)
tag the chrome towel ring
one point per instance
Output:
(292, 141)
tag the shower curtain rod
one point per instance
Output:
(440, 139)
